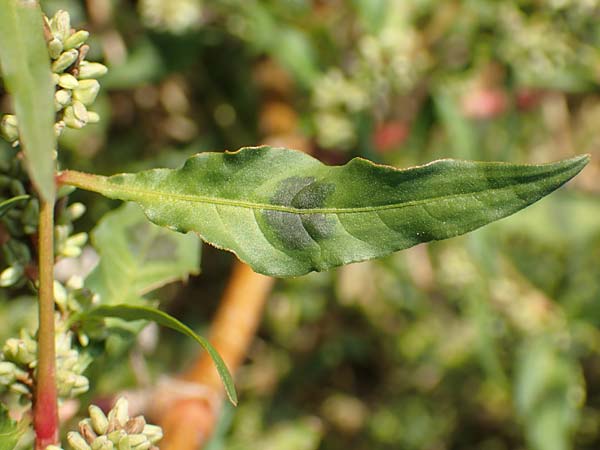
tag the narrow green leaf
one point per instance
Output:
(548, 391)
(130, 312)
(26, 71)
(137, 257)
(7, 205)
(10, 430)
(286, 214)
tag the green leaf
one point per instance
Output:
(286, 214)
(131, 312)
(10, 430)
(7, 205)
(137, 257)
(549, 394)
(26, 71)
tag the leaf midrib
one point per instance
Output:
(289, 209)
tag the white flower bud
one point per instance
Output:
(7, 372)
(102, 443)
(71, 384)
(81, 384)
(62, 341)
(19, 388)
(11, 348)
(88, 70)
(70, 251)
(62, 98)
(76, 115)
(137, 439)
(7, 368)
(86, 430)
(87, 91)
(76, 210)
(116, 435)
(9, 128)
(65, 60)
(67, 81)
(83, 339)
(55, 48)
(154, 433)
(60, 25)
(10, 276)
(65, 380)
(135, 425)
(93, 117)
(76, 441)
(77, 240)
(143, 446)
(120, 411)
(124, 443)
(60, 294)
(99, 419)
(76, 281)
(76, 39)
(80, 111)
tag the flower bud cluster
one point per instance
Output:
(541, 50)
(67, 244)
(72, 298)
(19, 224)
(76, 89)
(113, 431)
(73, 76)
(175, 16)
(384, 64)
(19, 361)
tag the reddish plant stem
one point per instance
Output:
(45, 407)
(87, 181)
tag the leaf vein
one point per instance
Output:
(141, 195)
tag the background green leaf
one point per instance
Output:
(549, 392)
(137, 257)
(26, 71)
(286, 214)
(131, 312)
(10, 430)
(6, 205)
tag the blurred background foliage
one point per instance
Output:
(488, 341)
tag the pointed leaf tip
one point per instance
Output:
(133, 312)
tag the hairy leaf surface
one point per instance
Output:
(286, 214)
(131, 312)
(137, 257)
(26, 72)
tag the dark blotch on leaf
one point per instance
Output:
(297, 231)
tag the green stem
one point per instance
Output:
(82, 180)
(45, 400)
